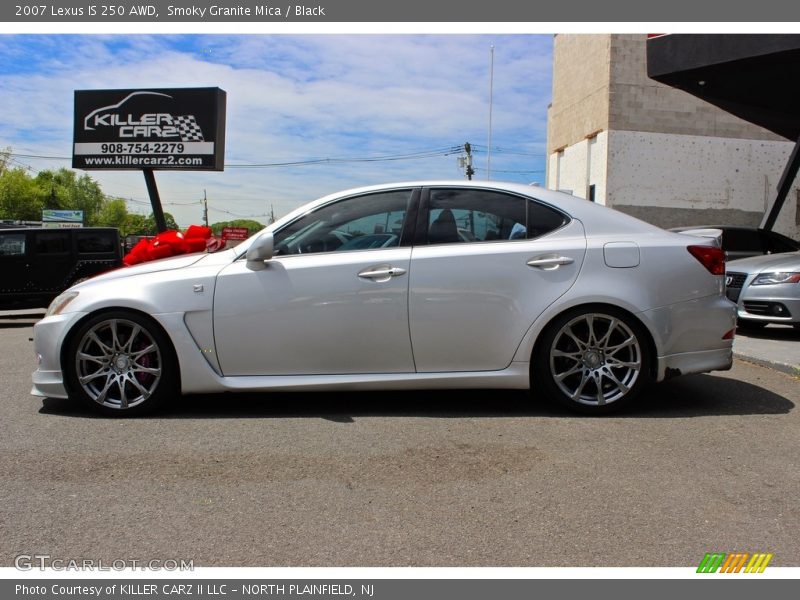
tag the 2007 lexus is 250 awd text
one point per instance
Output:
(424, 285)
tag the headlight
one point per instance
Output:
(60, 303)
(779, 277)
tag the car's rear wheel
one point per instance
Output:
(593, 360)
(121, 364)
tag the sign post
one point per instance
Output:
(150, 129)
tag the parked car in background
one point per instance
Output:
(766, 289)
(427, 285)
(742, 242)
(37, 264)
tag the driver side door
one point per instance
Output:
(332, 300)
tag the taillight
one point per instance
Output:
(710, 257)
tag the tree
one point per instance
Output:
(170, 220)
(251, 225)
(113, 213)
(21, 198)
(5, 156)
(63, 189)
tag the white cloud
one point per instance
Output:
(291, 97)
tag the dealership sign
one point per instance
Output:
(177, 129)
(62, 216)
(235, 233)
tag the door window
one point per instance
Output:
(12, 244)
(95, 242)
(52, 243)
(469, 215)
(360, 223)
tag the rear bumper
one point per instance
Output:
(689, 336)
(694, 362)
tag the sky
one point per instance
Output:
(293, 98)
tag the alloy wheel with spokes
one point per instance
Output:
(594, 360)
(121, 363)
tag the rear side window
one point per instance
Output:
(52, 243)
(95, 242)
(462, 215)
(543, 219)
(12, 244)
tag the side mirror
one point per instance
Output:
(261, 250)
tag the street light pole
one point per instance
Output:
(491, 90)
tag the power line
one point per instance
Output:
(483, 148)
(513, 171)
(445, 151)
(233, 214)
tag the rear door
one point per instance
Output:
(53, 261)
(98, 251)
(485, 265)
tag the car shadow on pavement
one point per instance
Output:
(770, 332)
(689, 396)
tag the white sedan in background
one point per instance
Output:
(427, 285)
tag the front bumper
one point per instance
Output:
(48, 336)
(758, 303)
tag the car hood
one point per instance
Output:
(153, 266)
(785, 261)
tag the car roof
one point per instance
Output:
(596, 216)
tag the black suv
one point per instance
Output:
(38, 264)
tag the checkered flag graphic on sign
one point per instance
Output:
(188, 129)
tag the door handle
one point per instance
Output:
(550, 262)
(381, 273)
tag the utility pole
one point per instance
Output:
(205, 208)
(271, 214)
(491, 94)
(465, 162)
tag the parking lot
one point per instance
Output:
(485, 478)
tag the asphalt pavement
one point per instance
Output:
(775, 347)
(483, 478)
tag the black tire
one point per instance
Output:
(597, 373)
(121, 364)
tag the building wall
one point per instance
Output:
(662, 155)
(580, 89)
(673, 180)
(638, 103)
(579, 166)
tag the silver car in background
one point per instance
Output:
(426, 285)
(766, 289)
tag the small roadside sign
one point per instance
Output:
(235, 233)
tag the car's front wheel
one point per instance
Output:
(592, 360)
(120, 363)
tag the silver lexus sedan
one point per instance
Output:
(426, 285)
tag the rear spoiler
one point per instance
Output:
(714, 234)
